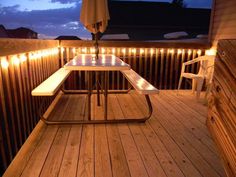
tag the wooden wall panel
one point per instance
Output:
(222, 105)
(223, 21)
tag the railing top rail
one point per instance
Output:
(138, 44)
(10, 46)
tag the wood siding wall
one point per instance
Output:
(222, 105)
(223, 21)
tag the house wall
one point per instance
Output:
(223, 21)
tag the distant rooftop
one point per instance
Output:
(67, 38)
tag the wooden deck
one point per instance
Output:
(173, 143)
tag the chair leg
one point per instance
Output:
(194, 84)
(199, 87)
(180, 81)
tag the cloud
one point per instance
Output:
(52, 22)
(66, 1)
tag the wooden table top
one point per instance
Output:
(87, 62)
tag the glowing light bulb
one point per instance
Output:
(189, 52)
(123, 51)
(62, 49)
(23, 58)
(141, 51)
(15, 60)
(162, 50)
(171, 51)
(4, 63)
(103, 50)
(113, 50)
(84, 50)
(211, 52)
(199, 52)
(133, 50)
(92, 50)
(74, 50)
(151, 51)
(179, 51)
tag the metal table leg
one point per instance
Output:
(89, 93)
(98, 89)
(105, 93)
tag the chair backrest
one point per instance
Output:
(206, 66)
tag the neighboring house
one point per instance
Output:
(3, 32)
(21, 32)
(67, 38)
(151, 20)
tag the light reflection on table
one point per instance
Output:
(88, 62)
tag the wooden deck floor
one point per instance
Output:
(173, 143)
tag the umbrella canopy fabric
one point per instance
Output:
(95, 15)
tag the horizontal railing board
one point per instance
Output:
(10, 46)
(145, 44)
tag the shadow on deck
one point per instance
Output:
(173, 143)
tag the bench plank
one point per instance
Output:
(50, 86)
(140, 84)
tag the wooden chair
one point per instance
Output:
(205, 73)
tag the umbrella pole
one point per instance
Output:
(97, 73)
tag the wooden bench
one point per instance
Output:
(51, 85)
(142, 87)
(140, 84)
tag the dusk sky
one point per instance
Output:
(51, 18)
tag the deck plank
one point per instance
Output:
(53, 162)
(135, 163)
(151, 162)
(173, 143)
(102, 155)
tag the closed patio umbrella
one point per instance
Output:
(95, 15)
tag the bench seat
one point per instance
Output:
(51, 85)
(140, 84)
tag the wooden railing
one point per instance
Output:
(159, 63)
(26, 63)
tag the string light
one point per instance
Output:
(103, 50)
(15, 60)
(23, 58)
(162, 50)
(123, 51)
(189, 52)
(92, 50)
(179, 51)
(171, 51)
(151, 51)
(4, 63)
(84, 50)
(133, 50)
(211, 52)
(74, 50)
(141, 51)
(199, 52)
(113, 50)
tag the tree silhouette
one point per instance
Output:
(179, 3)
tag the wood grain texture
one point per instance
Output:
(16, 46)
(223, 19)
(222, 105)
(166, 145)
